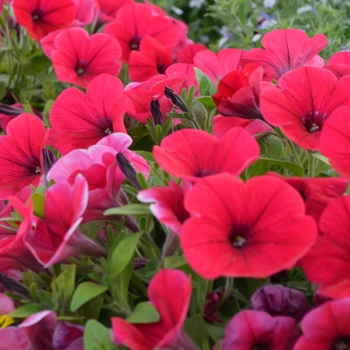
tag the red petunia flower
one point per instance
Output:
(328, 262)
(78, 58)
(141, 95)
(238, 93)
(21, 159)
(192, 154)
(255, 127)
(80, 121)
(108, 9)
(169, 205)
(316, 192)
(152, 58)
(136, 20)
(258, 330)
(326, 327)
(41, 17)
(301, 103)
(169, 292)
(186, 54)
(285, 50)
(245, 230)
(218, 65)
(335, 140)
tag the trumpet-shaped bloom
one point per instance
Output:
(170, 293)
(238, 93)
(218, 65)
(57, 236)
(316, 192)
(41, 17)
(108, 9)
(141, 95)
(192, 154)
(335, 140)
(21, 160)
(78, 58)
(285, 50)
(80, 121)
(169, 205)
(153, 58)
(326, 327)
(99, 167)
(328, 262)
(136, 20)
(258, 330)
(245, 230)
(303, 100)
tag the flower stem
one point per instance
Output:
(228, 289)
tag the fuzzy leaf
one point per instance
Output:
(84, 293)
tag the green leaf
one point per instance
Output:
(173, 262)
(123, 253)
(199, 112)
(292, 167)
(2, 90)
(63, 286)
(38, 202)
(144, 312)
(92, 228)
(321, 158)
(97, 337)
(84, 293)
(26, 310)
(130, 209)
(207, 101)
(196, 329)
(206, 85)
(36, 65)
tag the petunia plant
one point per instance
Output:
(161, 193)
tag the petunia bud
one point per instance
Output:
(127, 169)
(175, 99)
(156, 113)
(280, 301)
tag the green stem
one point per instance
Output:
(228, 288)
(209, 285)
(294, 152)
(311, 164)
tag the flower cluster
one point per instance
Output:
(237, 155)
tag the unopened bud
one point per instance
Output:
(176, 99)
(127, 169)
(156, 113)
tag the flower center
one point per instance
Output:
(313, 121)
(37, 15)
(134, 43)
(342, 343)
(239, 235)
(105, 126)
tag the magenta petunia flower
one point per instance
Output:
(192, 154)
(303, 100)
(57, 237)
(252, 229)
(169, 292)
(285, 50)
(258, 330)
(78, 58)
(326, 327)
(80, 121)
